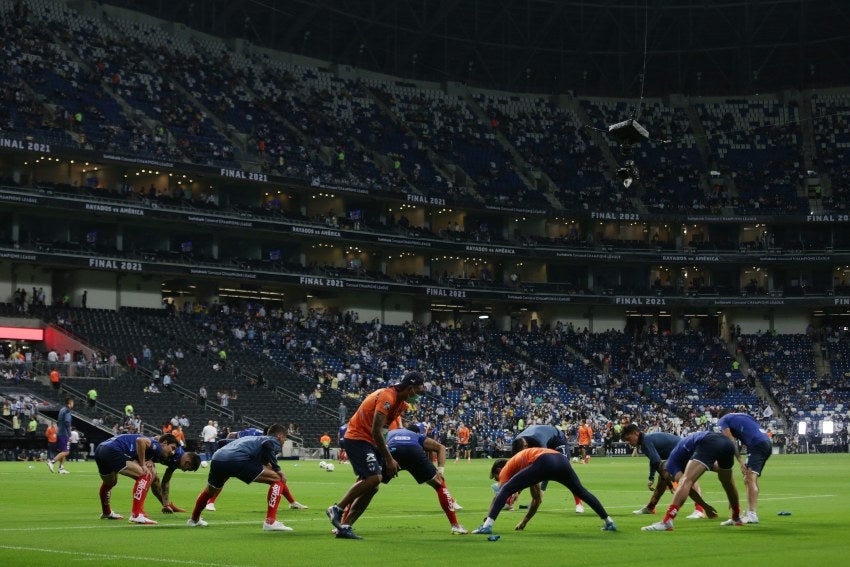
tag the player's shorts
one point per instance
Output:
(415, 461)
(715, 447)
(462, 446)
(563, 449)
(220, 471)
(364, 457)
(757, 456)
(109, 459)
(63, 444)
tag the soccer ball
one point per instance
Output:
(330, 467)
(323, 465)
(205, 464)
(575, 459)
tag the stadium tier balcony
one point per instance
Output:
(160, 91)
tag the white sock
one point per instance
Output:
(489, 522)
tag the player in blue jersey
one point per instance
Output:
(63, 436)
(180, 459)
(409, 448)
(657, 448)
(343, 456)
(546, 437)
(250, 459)
(692, 456)
(132, 456)
(253, 432)
(743, 428)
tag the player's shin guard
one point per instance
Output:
(672, 511)
(447, 503)
(201, 503)
(140, 491)
(286, 493)
(105, 495)
(274, 501)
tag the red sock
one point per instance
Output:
(212, 499)
(345, 512)
(105, 494)
(140, 491)
(699, 508)
(736, 511)
(513, 498)
(203, 498)
(672, 511)
(447, 503)
(577, 499)
(274, 501)
(287, 494)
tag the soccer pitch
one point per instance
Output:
(48, 519)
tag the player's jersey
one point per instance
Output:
(404, 438)
(657, 447)
(683, 452)
(250, 432)
(422, 426)
(126, 444)
(522, 460)
(384, 401)
(173, 461)
(263, 449)
(744, 428)
(463, 436)
(546, 436)
(585, 435)
(63, 422)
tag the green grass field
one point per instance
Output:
(47, 519)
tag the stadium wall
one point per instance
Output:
(604, 319)
(139, 291)
(752, 321)
(790, 322)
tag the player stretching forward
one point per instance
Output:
(250, 459)
(547, 436)
(527, 469)
(253, 432)
(408, 448)
(180, 459)
(695, 454)
(132, 456)
(657, 448)
(744, 428)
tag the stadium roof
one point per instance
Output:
(592, 47)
